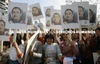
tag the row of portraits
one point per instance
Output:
(69, 16)
(19, 17)
(80, 13)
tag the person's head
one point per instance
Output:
(16, 14)
(48, 23)
(81, 12)
(2, 27)
(56, 18)
(48, 12)
(98, 31)
(69, 15)
(75, 36)
(63, 36)
(85, 34)
(49, 38)
(36, 11)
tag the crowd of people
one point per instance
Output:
(52, 48)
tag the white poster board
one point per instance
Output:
(17, 15)
(56, 19)
(70, 16)
(35, 10)
(83, 11)
(92, 16)
(4, 33)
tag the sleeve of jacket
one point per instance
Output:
(37, 51)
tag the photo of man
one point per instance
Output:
(36, 11)
(16, 16)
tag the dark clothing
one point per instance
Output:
(97, 43)
(13, 62)
(36, 58)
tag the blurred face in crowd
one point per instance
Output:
(81, 12)
(69, 15)
(64, 36)
(16, 14)
(98, 33)
(56, 18)
(48, 23)
(49, 40)
(75, 35)
(35, 11)
(48, 12)
(2, 27)
(85, 34)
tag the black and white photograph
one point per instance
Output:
(36, 11)
(48, 11)
(56, 19)
(17, 15)
(70, 16)
(83, 12)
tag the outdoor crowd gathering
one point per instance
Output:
(70, 35)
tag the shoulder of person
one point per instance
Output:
(55, 44)
(38, 42)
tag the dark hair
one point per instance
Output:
(97, 29)
(18, 39)
(84, 28)
(67, 10)
(92, 20)
(2, 21)
(24, 37)
(64, 19)
(50, 36)
(84, 15)
(16, 8)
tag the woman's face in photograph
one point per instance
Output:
(2, 27)
(69, 15)
(16, 14)
(35, 11)
(56, 18)
(81, 12)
